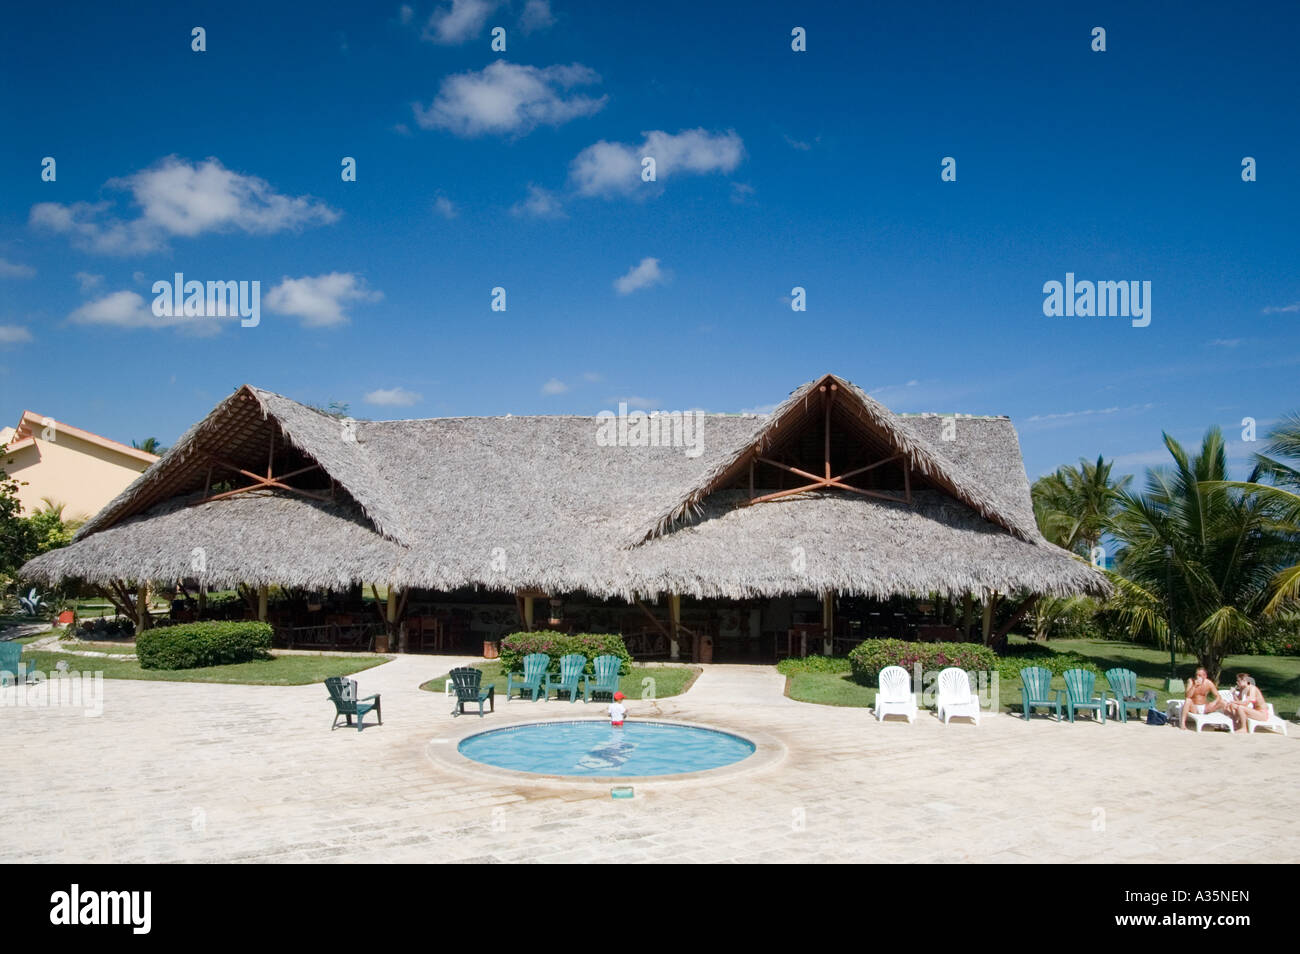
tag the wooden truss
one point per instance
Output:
(828, 479)
(269, 481)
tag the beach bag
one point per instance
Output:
(1156, 717)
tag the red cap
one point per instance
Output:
(618, 695)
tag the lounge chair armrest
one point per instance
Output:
(368, 698)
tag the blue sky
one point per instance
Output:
(820, 169)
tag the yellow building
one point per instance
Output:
(69, 466)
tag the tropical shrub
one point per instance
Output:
(873, 655)
(518, 645)
(1278, 636)
(195, 645)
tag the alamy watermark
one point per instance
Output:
(1086, 299)
(35, 689)
(657, 429)
(182, 299)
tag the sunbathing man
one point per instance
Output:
(1198, 689)
(1251, 704)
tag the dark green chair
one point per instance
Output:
(1036, 691)
(1124, 688)
(572, 667)
(466, 682)
(1078, 693)
(531, 680)
(605, 680)
(343, 693)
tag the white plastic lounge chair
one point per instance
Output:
(1202, 719)
(1273, 723)
(895, 696)
(955, 696)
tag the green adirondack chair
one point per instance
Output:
(1036, 691)
(1124, 687)
(1077, 694)
(466, 682)
(343, 693)
(531, 679)
(572, 667)
(605, 680)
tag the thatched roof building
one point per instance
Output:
(832, 492)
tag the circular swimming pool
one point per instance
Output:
(596, 749)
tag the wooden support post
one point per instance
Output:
(390, 619)
(967, 611)
(828, 622)
(142, 607)
(675, 614)
(263, 595)
(528, 613)
(986, 628)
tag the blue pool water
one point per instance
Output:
(598, 749)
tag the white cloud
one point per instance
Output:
(459, 21)
(592, 377)
(87, 281)
(121, 309)
(507, 98)
(1225, 342)
(536, 16)
(445, 207)
(14, 270)
(741, 192)
(540, 204)
(1279, 309)
(643, 275)
(405, 13)
(180, 198)
(319, 301)
(554, 386)
(613, 168)
(14, 334)
(393, 397)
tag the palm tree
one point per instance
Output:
(1282, 496)
(1074, 505)
(149, 445)
(1198, 556)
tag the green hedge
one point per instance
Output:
(195, 645)
(873, 655)
(518, 645)
(831, 664)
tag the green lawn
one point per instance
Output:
(668, 680)
(115, 649)
(277, 671)
(1278, 676)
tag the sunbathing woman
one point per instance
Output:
(1251, 704)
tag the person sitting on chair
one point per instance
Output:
(1250, 704)
(1199, 689)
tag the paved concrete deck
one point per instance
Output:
(192, 772)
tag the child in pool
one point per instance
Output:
(617, 711)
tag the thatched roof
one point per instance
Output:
(515, 503)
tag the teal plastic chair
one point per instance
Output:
(9, 658)
(343, 693)
(605, 680)
(1124, 687)
(1078, 693)
(531, 679)
(572, 667)
(466, 682)
(1036, 691)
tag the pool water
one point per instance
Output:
(598, 749)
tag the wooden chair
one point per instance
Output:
(1078, 694)
(567, 681)
(1036, 691)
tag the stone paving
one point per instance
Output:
(197, 772)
